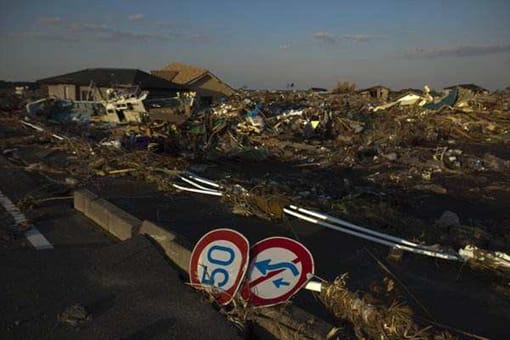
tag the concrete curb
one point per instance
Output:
(288, 322)
(169, 242)
(111, 218)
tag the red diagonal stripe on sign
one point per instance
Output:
(271, 274)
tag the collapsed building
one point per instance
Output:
(130, 95)
(476, 89)
(93, 84)
(108, 94)
(209, 88)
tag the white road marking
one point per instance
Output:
(33, 235)
(37, 239)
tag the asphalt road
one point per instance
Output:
(127, 289)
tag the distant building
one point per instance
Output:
(318, 89)
(376, 92)
(80, 85)
(19, 88)
(471, 87)
(209, 87)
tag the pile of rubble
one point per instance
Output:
(358, 158)
(416, 142)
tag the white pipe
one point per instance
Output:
(325, 217)
(40, 129)
(207, 192)
(57, 137)
(203, 180)
(194, 184)
(373, 239)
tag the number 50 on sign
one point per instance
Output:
(219, 262)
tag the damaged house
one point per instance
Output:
(209, 88)
(475, 89)
(125, 94)
(93, 84)
(377, 92)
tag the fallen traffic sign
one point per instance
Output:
(218, 263)
(279, 268)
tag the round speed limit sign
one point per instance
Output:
(218, 263)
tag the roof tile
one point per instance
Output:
(185, 73)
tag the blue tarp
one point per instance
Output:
(448, 100)
(255, 112)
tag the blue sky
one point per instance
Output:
(265, 43)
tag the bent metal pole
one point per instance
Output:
(411, 249)
(349, 225)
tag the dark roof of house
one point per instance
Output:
(318, 89)
(111, 77)
(472, 87)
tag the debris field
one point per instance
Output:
(419, 171)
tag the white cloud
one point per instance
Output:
(77, 31)
(330, 38)
(458, 51)
(87, 27)
(136, 17)
(50, 21)
(135, 36)
(60, 37)
(359, 38)
(325, 37)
